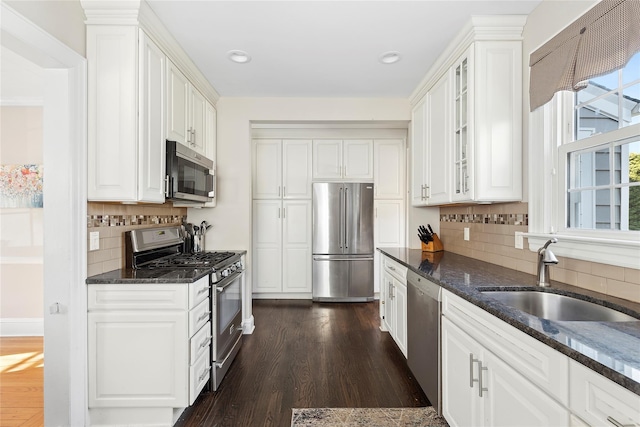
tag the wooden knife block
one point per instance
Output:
(433, 246)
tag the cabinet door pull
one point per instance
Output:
(472, 360)
(203, 316)
(284, 191)
(480, 387)
(617, 423)
(278, 212)
(278, 191)
(284, 213)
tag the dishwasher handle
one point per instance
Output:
(432, 290)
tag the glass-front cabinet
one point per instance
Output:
(461, 130)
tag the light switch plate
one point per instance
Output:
(519, 240)
(466, 233)
(94, 240)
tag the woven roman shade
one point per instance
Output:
(599, 42)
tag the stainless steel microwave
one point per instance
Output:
(190, 176)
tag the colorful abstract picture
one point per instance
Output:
(21, 186)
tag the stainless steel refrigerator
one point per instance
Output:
(342, 241)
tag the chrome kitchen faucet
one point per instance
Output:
(545, 259)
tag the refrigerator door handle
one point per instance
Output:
(346, 220)
(325, 258)
(341, 223)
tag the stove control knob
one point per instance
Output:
(225, 272)
(238, 264)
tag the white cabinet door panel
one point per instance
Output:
(511, 400)
(113, 338)
(197, 110)
(389, 160)
(267, 174)
(418, 153)
(327, 159)
(438, 141)
(400, 313)
(151, 139)
(460, 405)
(296, 244)
(358, 159)
(267, 245)
(389, 223)
(177, 104)
(296, 169)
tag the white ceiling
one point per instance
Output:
(320, 48)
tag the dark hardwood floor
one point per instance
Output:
(308, 355)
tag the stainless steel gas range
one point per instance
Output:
(162, 248)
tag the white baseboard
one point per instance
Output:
(22, 327)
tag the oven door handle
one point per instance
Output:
(228, 281)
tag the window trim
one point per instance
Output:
(548, 127)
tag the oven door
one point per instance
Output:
(227, 324)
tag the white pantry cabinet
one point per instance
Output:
(389, 157)
(467, 127)
(350, 160)
(148, 349)
(393, 300)
(282, 248)
(190, 117)
(282, 169)
(126, 138)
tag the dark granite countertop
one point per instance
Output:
(609, 348)
(131, 276)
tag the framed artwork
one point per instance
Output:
(21, 186)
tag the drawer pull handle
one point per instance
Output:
(392, 268)
(480, 369)
(203, 290)
(205, 343)
(617, 423)
(203, 316)
(203, 375)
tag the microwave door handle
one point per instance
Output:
(168, 186)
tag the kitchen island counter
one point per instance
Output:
(610, 348)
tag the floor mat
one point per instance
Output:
(369, 417)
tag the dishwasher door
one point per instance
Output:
(423, 335)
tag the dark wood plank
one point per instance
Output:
(308, 355)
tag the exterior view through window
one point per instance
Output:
(603, 179)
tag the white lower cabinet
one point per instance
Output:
(480, 384)
(598, 401)
(148, 351)
(282, 247)
(393, 300)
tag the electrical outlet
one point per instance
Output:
(94, 240)
(466, 234)
(519, 240)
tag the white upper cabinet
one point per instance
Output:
(467, 127)
(126, 146)
(388, 169)
(343, 159)
(189, 120)
(282, 169)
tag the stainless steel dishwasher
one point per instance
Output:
(423, 335)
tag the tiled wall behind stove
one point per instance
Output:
(112, 220)
(492, 239)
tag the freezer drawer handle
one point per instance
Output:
(342, 259)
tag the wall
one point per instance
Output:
(492, 239)
(231, 218)
(112, 220)
(21, 236)
(63, 19)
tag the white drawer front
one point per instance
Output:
(395, 269)
(198, 291)
(199, 374)
(199, 342)
(599, 401)
(199, 316)
(541, 364)
(137, 297)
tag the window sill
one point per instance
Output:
(623, 253)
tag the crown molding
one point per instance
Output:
(478, 28)
(139, 13)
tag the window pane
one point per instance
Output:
(631, 105)
(632, 197)
(581, 209)
(590, 168)
(599, 116)
(631, 71)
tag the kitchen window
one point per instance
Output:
(601, 157)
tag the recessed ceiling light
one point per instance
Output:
(238, 56)
(390, 57)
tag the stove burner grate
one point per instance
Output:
(201, 259)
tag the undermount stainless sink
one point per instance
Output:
(558, 307)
